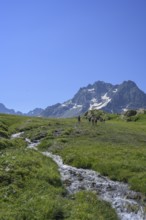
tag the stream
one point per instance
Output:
(118, 194)
(123, 200)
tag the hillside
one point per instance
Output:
(31, 187)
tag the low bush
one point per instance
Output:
(130, 113)
(4, 134)
(5, 144)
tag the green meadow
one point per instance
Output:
(30, 185)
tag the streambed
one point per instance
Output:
(125, 201)
(118, 194)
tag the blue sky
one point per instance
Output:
(51, 48)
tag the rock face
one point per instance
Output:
(100, 95)
(128, 96)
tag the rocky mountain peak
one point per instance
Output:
(99, 95)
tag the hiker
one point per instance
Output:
(92, 120)
(79, 119)
(102, 119)
(89, 119)
(95, 120)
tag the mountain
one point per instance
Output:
(128, 96)
(100, 95)
(5, 110)
(35, 112)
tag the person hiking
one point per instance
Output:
(79, 119)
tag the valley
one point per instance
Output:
(31, 184)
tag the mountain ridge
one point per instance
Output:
(99, 95)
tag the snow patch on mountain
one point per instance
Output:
(114, 91)
(77, 106)
(66, 103)
(91, 90)
(98, 105)
(105, 97)
(125, 109)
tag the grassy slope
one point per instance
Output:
(116, 149)
(30, 186)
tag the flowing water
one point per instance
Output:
(17, 135)
(125, 201)
(118, 194)
(32, 145)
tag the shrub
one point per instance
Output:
(130, 113)
(68, 131)
(45, 144)
(3, 134)
(5, 144)
(3, 126)
(63, 140)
